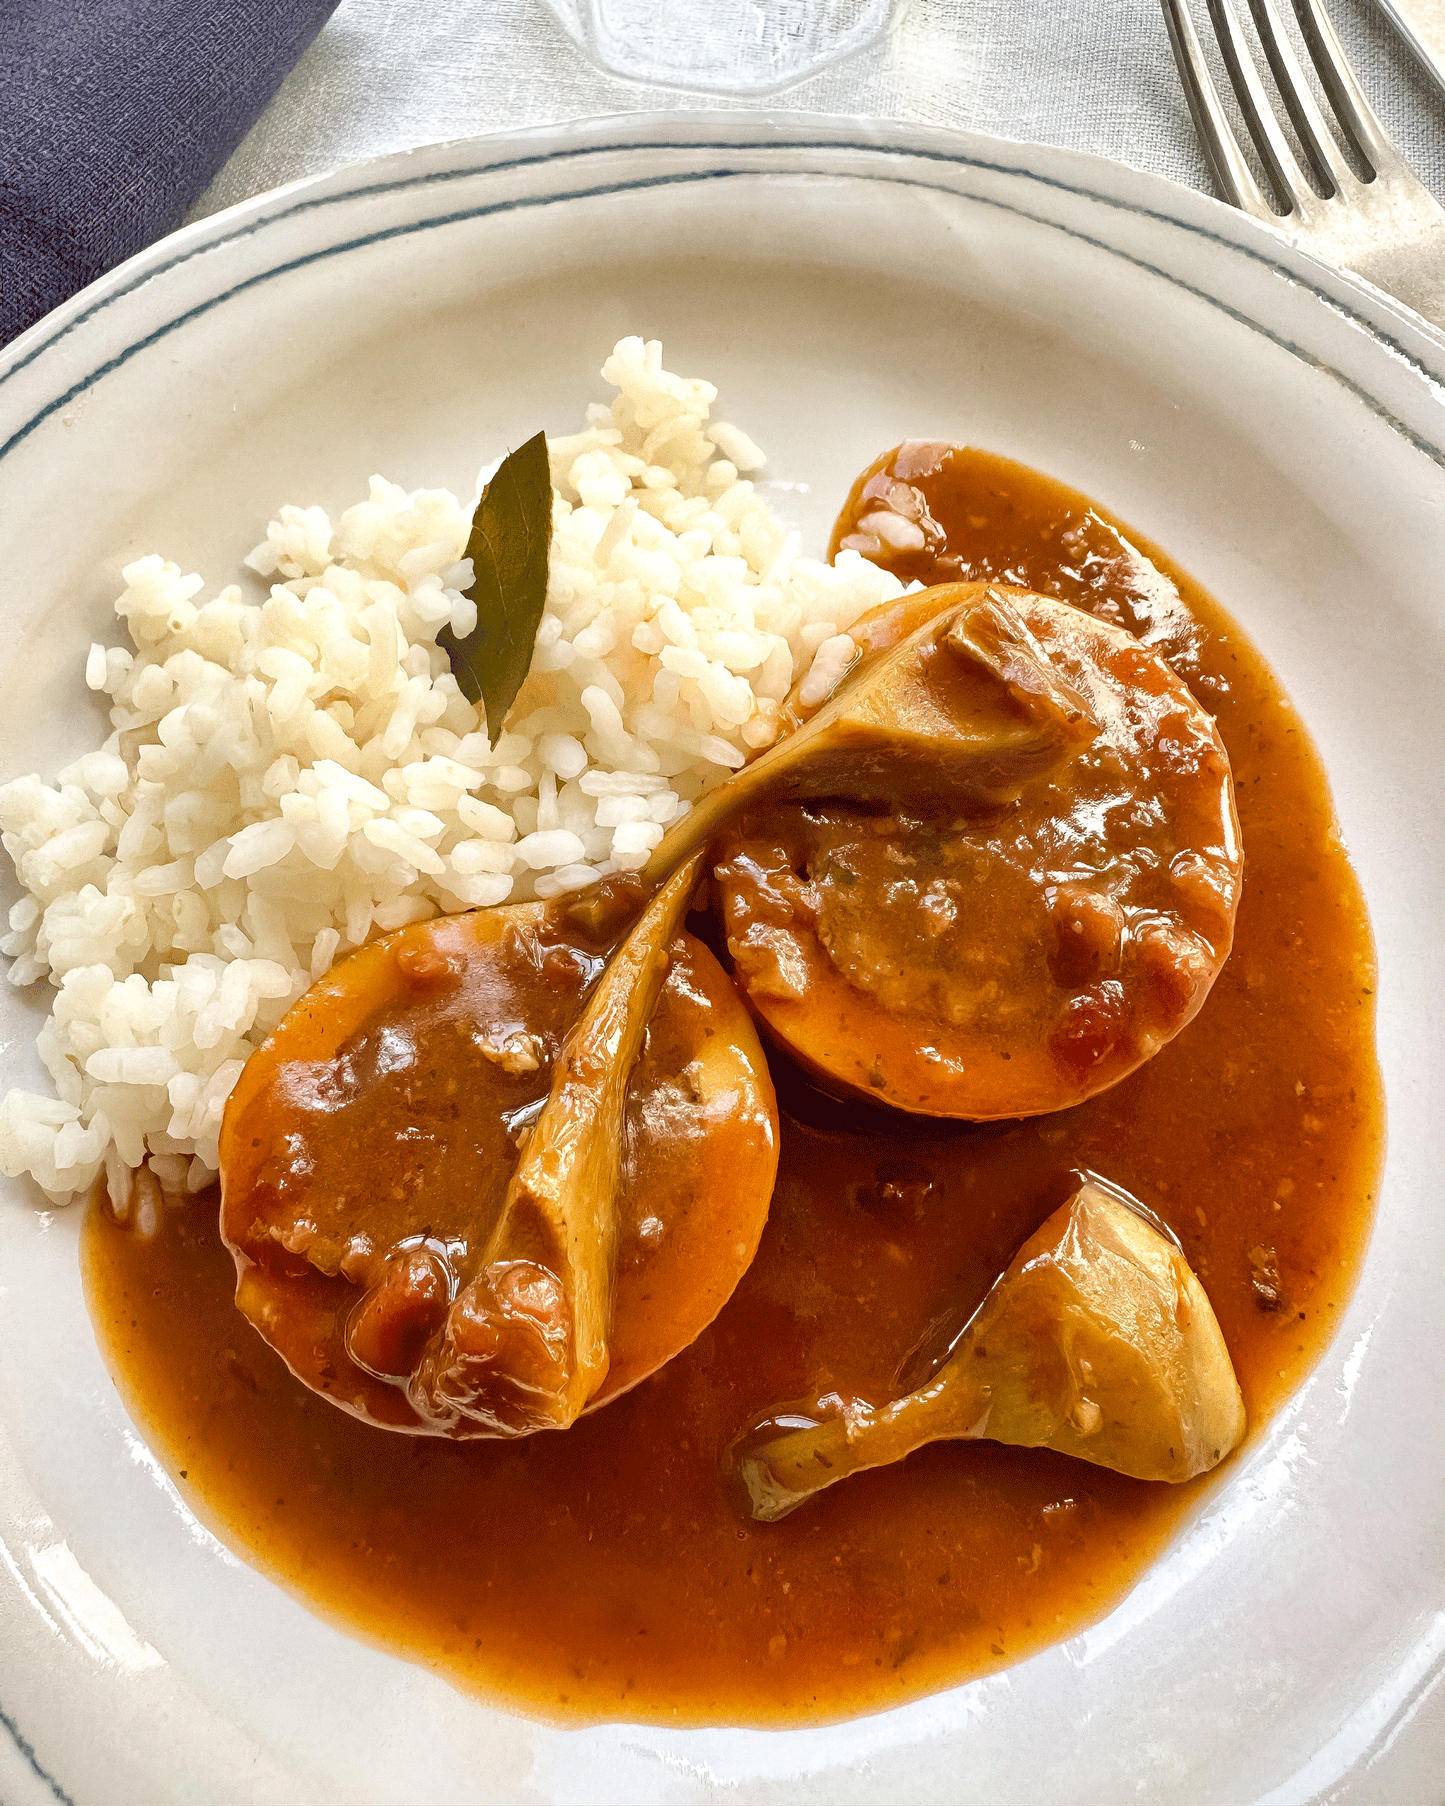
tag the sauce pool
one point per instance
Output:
(607, 1572)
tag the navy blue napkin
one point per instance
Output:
(114, 115)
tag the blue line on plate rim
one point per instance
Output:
(28, 1752)
(1428, 448)
(562, 153)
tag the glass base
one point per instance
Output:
(724, 46)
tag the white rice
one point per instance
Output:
(287, 776)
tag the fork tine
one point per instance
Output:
(1387, 229)
(1318, 141)
(1279, 160)
(1232, 174)
(1356, 114)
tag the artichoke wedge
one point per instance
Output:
(525, 1344)
(962, 712)
(1097, 1341)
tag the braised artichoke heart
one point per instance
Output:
(1098, 1341)
(490, 1171)
(1016, 942)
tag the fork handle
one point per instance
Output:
(1413, 273)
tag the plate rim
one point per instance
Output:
(1091, 178)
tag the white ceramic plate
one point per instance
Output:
(1281, 433)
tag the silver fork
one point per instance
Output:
(1386, 228)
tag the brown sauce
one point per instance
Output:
(604, 1572)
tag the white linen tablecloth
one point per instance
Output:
(386, 75)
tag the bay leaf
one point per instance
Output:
(508, 546)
